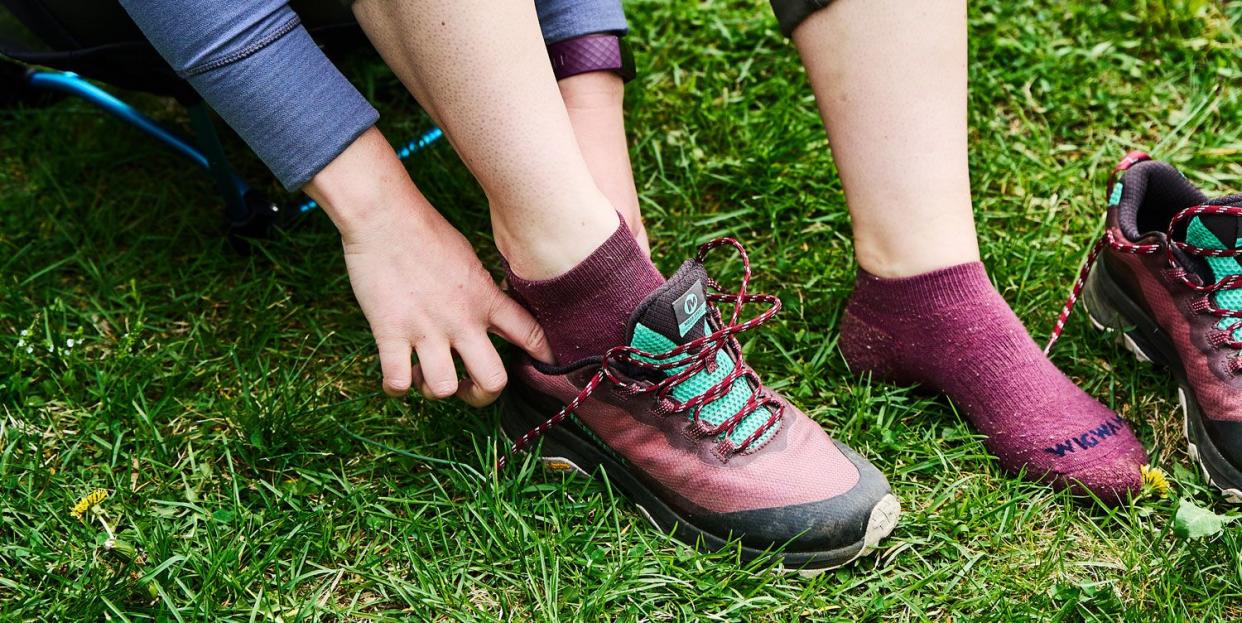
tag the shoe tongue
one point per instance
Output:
(1217, 231)
(676, 314)
(1220, 231)
(677, 311)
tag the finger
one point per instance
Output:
(513, 323)
(486, 370)
(395, 365)
(435, 365)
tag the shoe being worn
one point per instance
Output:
(685, 428)
(1168, 279)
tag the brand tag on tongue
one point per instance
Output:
(690, 307)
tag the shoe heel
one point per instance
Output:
(1106, 316)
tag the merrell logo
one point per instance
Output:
(1088, 439)
(690, 307)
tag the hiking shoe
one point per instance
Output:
(680, 424)
(1168, 280)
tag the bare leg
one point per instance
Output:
(594, 102)
(482, 71)
(890, 79)
(895, 109)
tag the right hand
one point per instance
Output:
(423, 289)
(418, 280)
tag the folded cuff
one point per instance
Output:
(290, 104)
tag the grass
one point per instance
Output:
(228, 403)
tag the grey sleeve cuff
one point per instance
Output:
(290, 104)
(256, 65)
(566, 19)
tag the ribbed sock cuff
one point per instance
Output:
(584, 311)
(903, 295)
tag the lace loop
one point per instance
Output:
(1235, 366)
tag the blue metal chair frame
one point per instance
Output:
(249, 212)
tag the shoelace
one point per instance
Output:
(1222, 337)
(692, 357)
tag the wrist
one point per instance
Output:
(366, 188)
(591, 53)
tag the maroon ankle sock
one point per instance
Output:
(949, 329)
(584, 312)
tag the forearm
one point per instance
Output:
(259, 69)
(594, 103)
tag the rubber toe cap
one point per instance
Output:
(838, 522)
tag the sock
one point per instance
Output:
(950, 330)
(585, 311)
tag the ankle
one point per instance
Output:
(891, 259)
(537, 247)
(887, 299)
(584, 310)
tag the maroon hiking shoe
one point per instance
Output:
(681, 425)
(1168, 280)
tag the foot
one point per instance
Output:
(680, 423)
(950, 330)
(1168, 280)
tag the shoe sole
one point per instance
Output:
(566, 449)
(1113, 311)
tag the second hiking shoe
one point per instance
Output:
(1166, 276)
(680, 424)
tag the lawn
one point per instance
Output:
(228, 403)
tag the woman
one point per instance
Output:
(554, 166)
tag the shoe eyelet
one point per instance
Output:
(698, 430)
(1199, 304)
(1218, 339)
(664, 407)
(1235, 365)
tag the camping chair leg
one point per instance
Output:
(250, 213)
(73, 84)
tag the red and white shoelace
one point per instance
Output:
(1173, 272)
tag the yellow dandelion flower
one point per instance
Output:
(1155, 480)
(88, 501)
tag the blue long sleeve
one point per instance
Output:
(566, 19)
(261, 71)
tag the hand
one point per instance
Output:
(422, 288)
(418, 280)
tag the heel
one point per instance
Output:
(869, 350)
(1106, 316)
(518, 415)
